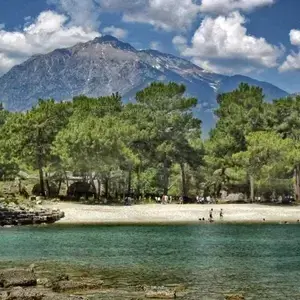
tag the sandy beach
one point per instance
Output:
(174, 213)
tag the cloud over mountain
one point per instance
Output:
(222, 44)
(162, 14)
(49, 31)
(292, 61)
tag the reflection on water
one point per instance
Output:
(261, 261)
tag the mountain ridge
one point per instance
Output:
(106, 65)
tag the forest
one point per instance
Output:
(154, 145)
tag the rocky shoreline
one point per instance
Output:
(36, 284)
(28, 284)
(14, 215)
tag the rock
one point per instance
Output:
(61, 297)
(19, 293)
(66, 286)
(4, 295)
(45, 282)
(52, 192)
(80, 190)
(32, 267)
(233, 198)
(17, 277)
(39, 202)
(39, 198)
(159, 292)
(61, 277)
(177, 287)
(234, 297)
(27, 216)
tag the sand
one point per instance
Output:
(174, 213)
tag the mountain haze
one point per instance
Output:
(106, 65)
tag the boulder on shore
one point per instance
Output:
(70, 285)
(17, 277)
(21, 215)
(234, 297)
(159, 292)
(235, 198)
(19, 293)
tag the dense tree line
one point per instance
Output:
(154, 145)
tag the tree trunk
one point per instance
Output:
(297, 183)
(67, 180)
(138, 187)
(99, 189)
(59, 186)
(251, 188)
(106, 187)
(42, 183)
(166, 177)
(183, 180)
(129, 182)
(40, 163)
(47, 186)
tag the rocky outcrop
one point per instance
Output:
(19, 293)
(19, 215)
(61, 297)
(70, 285)
(81, 189)
(159, 292)
(23, 284)
(40, 283)
(234, 297)
(17, 277)
(235, 198)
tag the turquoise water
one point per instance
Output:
(259, 261)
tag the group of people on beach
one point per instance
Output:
(165, 199)
(211, 217)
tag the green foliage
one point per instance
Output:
(154, 146)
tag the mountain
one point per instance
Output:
(106, 65)
(295, 95)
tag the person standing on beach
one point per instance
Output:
(180, 200)
(164, 199)
(221, 213)
(211, 215)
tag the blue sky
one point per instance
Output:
(258, 38)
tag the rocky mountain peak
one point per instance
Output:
(114, 42)
(107, 65)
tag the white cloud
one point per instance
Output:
(84, 13)
(6, 63)
(292, 61)
(180, 42)
(162, 14)
(295, 37)
(155, 45)
(48, 32)
(116, 32)
(227, 6)
(222, 44)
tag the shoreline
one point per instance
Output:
(174, 214)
